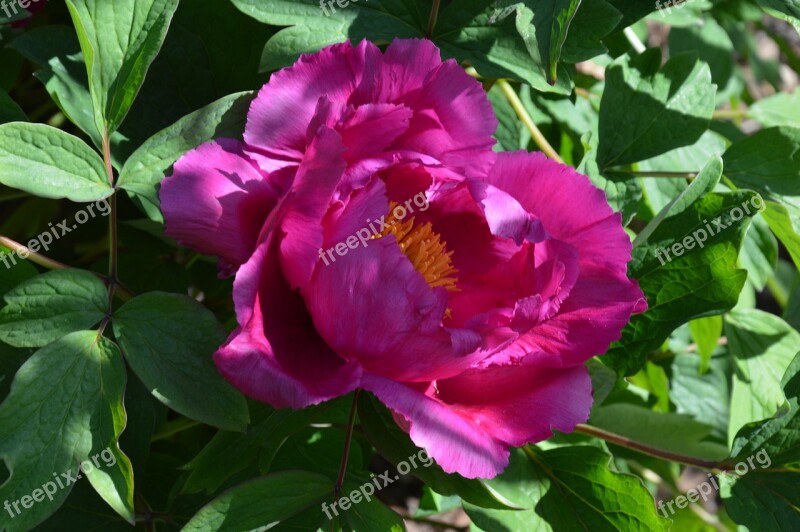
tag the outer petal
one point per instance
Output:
(468, 422)
(277, 356)
(456, 444)
(522, 403)
(293, 93)
(216, 201)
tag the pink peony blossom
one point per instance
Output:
(470, 315)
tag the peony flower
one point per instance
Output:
(378, 243)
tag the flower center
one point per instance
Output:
(424, 248)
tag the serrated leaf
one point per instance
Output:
(665, 107)
(65, 407)
(763, 346)
(702, 281)
(262, 503)
(47, 162)
(147, 167)
(119, 41)
(169, 341)
(45, 308)
(568, 488)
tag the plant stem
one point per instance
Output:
(32, 256)
(432, 18)
(729, 114)
(526, 119)
(348, 438)
(636, 43)
(645, 449)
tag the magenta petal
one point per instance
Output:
(277, 356)
(457, 444)
(283, 109)
(521, 403)
(216, 201)
(306, 205)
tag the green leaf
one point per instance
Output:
(767, 162)
(768, 499)
(169, 341)
(788, 10)
(543, 26)
(763, 501)
(785, 227)
(779, 436)
(119, 41)
(781, 109)
(700, 281)
(14, 270)
(568, 488)
(312, 26)
(57, 51)
(228, 453)
(146, 168)
(9, 110)
(395, 445)
(45, 308)
(759, 255)
(705, 333)
(711, 44)
(704, 396)
(370, 514)
(47, 162)
(595, 19)
(264, 502)
(65, 407)
(665, 107)
(763, 346)
(677, 433)
(488, 38)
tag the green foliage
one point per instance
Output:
(676, 114)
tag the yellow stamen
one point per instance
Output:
(424, 248)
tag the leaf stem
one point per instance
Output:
(636, 43)
(729, 114)
(432, 18)
(645, 449)
(348, 438)
(34, 257)
(525, 118)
